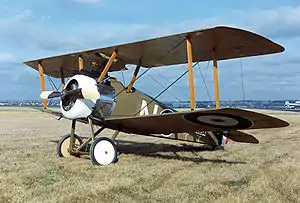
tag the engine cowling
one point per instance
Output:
(73, 108)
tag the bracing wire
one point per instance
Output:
(169, 82)
(50, 82)
(242, 76)
(123, 77)
(207, 66)
(53, 86)
(163, 91)
(161, 58)
(163, 87)
(204, 82)
(169, 85)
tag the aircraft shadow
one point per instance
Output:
(167, 151)
(158, 150)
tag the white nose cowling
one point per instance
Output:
(80, 108)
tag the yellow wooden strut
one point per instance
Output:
(136, 71)
(80, 63)
(62, 78)
(216, 81)
(191, 74)
(107, 67)
(42, 80)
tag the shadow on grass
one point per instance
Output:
(161, 150)
(167, 151)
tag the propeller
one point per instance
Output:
(50, 94)
(81, 93)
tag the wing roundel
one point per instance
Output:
(202, 120)
(224, 121)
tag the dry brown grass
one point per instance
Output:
(30, 170)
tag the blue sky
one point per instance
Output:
(33, 29)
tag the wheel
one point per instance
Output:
(64, 143)
(103, 151)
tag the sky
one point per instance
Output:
(35, 29)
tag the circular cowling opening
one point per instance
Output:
(68, 102)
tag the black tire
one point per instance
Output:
(60, 145)
(111, 158)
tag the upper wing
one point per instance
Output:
(202, 120)
(226, 42)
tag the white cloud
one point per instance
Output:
(7, 58)
(31, 39)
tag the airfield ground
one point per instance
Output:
(149, 169)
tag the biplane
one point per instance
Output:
(92, 97)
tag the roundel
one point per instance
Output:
(224, 121)
(163, 112)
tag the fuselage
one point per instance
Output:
(115, 102)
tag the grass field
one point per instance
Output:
(149, 169)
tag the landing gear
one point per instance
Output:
(63, 146)
(103, 151)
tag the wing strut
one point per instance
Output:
(107, 67)
(42, 80)
(62, 78)
(80, 63)
(136, 71)
(216, 80)
(191, 74)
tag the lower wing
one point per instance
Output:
(206, 120)
(202, 120)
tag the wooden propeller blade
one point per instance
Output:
(49, 94)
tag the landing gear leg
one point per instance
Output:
(114, 136)
(91, 128)
(68, 143)
(72, 137)
(103, 151)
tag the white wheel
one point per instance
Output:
(103, 151)
(64, 144)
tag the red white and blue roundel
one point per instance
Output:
(223, 121)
